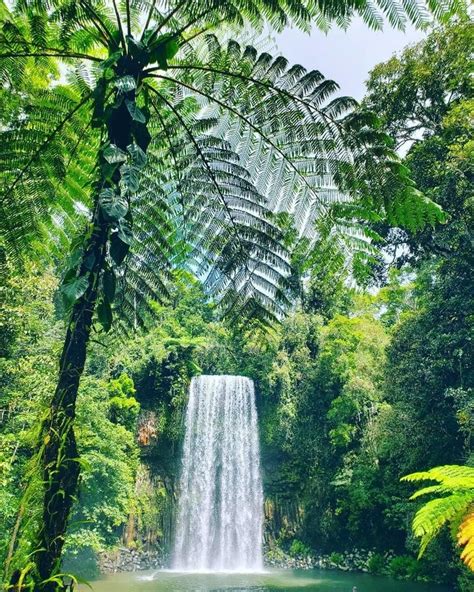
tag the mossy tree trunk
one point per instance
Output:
(60, 456)
(58, 452)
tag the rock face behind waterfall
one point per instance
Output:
(220, 508)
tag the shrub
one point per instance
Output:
(376, 564)
(123, 407)
(336, 558)
(299, 549)
(404, 567)
(124, 411)
(276, 554)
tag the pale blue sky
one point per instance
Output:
(345, 56)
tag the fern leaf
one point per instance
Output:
(466, 540)
(435, 514)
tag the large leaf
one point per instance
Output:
(139, 158)
(113, 206)
(114, 154)
(104, 314)
(135, 113)
(74, 289)
(118, 249)
(125, 232)
(130, 178)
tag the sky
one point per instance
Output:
(345, 56)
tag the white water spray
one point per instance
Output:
(220, 509)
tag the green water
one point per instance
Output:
(271, 581)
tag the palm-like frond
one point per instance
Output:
(47, 160)
(451, 476)
(236, 137)
(466, 540)
(307, 150)
(223, 229)
(456, 485)
(299, 13)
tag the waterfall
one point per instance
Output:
(220, 507)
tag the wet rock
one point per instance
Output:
(124, 559)
(354, 560)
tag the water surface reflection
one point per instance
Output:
(268, 581)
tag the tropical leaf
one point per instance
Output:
(466, 540)
(456, 485)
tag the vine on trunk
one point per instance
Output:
(88, 290)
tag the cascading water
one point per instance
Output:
(220, 509)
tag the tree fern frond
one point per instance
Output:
(466, 540)
(447, 487)
(436, 513)
(35, 159)
(234, 243)
(257, 137)
(445, 474)
(456, 485)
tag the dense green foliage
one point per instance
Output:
(355, 388)
(432, 355)
(334, 442)
(162, 147)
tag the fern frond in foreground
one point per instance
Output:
(455, 484)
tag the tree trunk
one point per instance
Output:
(57, 448)
(59, 454)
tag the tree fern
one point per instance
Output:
(456, 485)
